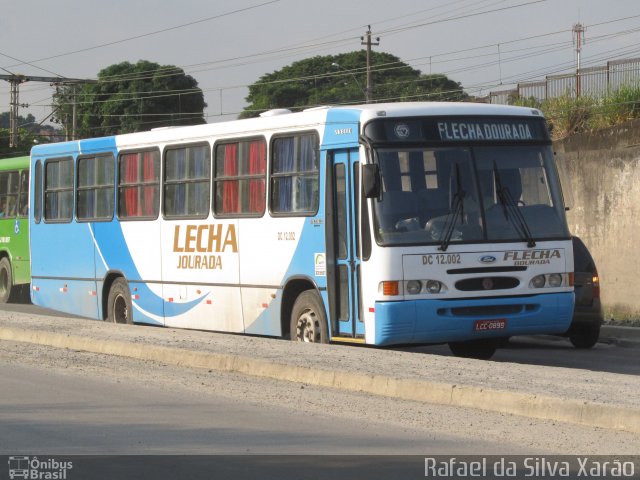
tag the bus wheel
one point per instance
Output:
(119, 308)
(585, 337)
(480, 349)
(308, 320)
(6, 281)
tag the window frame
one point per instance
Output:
(23, 196)
(6, 194)
(157, 184)
(185, 181)
(241, 178)
(95, 187)
(38, 197)
(58, 190)
(294, 173)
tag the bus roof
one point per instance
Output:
(374, 110)
(14, 163)
(279, 119)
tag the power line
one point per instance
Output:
(299, 48)
(148, 34)
(392, 31)
(14, 104)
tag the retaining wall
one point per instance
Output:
(604, 176)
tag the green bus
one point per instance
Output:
(15, 269)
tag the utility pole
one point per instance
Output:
(578, 30)
(74, 111)
(14, 104)
(369, 44)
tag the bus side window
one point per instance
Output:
(11, 207)
(186, 181)
(139, 185)
(58, 190)
(8, 194)
(295, 176)
(95, 186)
(23, 207)
(240, 178)
(37, 197)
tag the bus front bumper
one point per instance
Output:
(440, 321)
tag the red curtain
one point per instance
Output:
(230, 187)
(257, 166)
(149, 195)
(131, 176)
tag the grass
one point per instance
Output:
(568, 115)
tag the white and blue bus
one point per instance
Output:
(382, 224)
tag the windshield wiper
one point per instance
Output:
(458, 211)
(509, 205)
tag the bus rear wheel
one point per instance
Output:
(479, 349)
(119, 307)
(308, 320)
(6, 281)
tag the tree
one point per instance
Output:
(129, 98)
(30, 132)
(29, 123)
(25, 141)
(341, 79)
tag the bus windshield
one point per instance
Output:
(468, 194)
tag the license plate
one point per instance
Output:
(490, 325)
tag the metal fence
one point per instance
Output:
(595, 82)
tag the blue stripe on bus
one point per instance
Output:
(432, 321)
(117, 257)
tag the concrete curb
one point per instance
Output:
(622, 336)
(529, 405)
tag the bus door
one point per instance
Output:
(344, 284)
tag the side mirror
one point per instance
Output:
(370, 181)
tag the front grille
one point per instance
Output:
(488, 310)
(487, 283)
(467, 271)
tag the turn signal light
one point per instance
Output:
(596, 284)
(390, 288)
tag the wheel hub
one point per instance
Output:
(308, 327)
(121, 312)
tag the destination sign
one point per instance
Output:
(457, 129)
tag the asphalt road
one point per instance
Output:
(553, 351)
(65, 402)
(56, 403)
(45, 410)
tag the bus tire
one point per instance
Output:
(6, 281)
(119, 306)
(479, 349)
(585, 337)
(308, 319)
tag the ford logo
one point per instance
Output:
(488, 259)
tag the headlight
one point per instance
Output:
(555, 280)
(414, 287)
(538, 281)
(550, 280)
(433, 286)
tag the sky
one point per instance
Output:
(227, 45)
